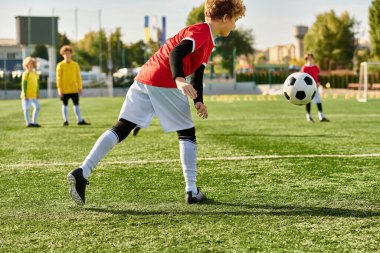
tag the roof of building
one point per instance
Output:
(8, 42)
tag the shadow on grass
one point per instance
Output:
(247, 209)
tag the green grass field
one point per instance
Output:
(275, 182)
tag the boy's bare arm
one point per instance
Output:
(186, 88)
(201, 110)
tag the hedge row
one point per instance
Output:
(15, 83)
(336, 81)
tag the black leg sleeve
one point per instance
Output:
(319, 105)
(187, 134)
(122, 128)
(308, 108)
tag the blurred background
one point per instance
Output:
(112, 39)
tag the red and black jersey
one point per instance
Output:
(313, 71)
(157, 70)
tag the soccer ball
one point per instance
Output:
(299, 88)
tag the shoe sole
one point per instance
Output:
(73, 191)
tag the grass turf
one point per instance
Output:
(291, 203)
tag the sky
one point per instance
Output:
(272, 21)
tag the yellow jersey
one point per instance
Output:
(68, 77)
(29, 85)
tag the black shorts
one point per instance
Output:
(74, 96)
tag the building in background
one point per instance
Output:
(299, 32)
(281, 54)
(284, 54)
(10, 55)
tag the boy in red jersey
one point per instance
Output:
(161, 89)
(313, 70)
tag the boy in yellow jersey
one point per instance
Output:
(29, 91)
(69, 84)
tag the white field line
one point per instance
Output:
(227, 158)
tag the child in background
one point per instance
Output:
(29, 91)
(313, 70)
(69, 84)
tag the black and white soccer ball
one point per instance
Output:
(299, 88)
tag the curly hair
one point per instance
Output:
(216, 9)
(65, 48)
(28, 60)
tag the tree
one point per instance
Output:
(88, 50)
(361, 55)
(240, 40)
(374, 28)
(116, 49)
(332, 40)
(196, 15)
(41, 51)
(135, 54)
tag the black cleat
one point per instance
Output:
(29, 125)
(324, 120)
(66, 123)
(83, 123)
(36, 125)
(310, 120)
(136, 130)
(77, 186)
(193, 199)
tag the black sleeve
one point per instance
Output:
(197, 83)
(176, 56)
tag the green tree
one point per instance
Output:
(116, 49)
(88, 50)
(361, 54)
(41, 51)
(240, 40)
(374, 28)
(196, 15)
(135, 54)
(332, 40)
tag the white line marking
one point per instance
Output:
(230, 158)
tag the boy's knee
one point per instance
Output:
(187, 134)
(122, 128)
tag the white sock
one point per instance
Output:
(103, 145)
(188, 153)
(308, 116)
(26, 116)
(35, 114)
(320, 115)
(77, 113)
(65, 113)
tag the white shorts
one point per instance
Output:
(143, 102)
(317, 98)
